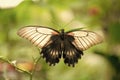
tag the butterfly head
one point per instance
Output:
(62, 33)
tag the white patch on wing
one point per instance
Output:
(45, 30)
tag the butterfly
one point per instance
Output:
(55, 44)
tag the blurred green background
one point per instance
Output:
(100, 62)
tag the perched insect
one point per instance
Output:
(54, 44)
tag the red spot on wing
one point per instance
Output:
(71, 34)
(54, 33)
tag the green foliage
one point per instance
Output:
(114, 32)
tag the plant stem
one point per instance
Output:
(35, 65)
(9, 62)
(27, 72)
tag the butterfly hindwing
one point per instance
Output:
(70, 54)
(52, 50)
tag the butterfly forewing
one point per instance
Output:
(39, 36)
(85, 39)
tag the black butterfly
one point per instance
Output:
(54, 44)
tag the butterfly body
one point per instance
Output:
(61, 45)
(54, 44)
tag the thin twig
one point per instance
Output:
(14, 65)
(17, 68)
(35, 65)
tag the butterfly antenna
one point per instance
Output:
(66, 25)
(55, 23)
(54, 19)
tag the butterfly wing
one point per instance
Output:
(76, 42)
(85, 39)
(38, 35)
(41, 37)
